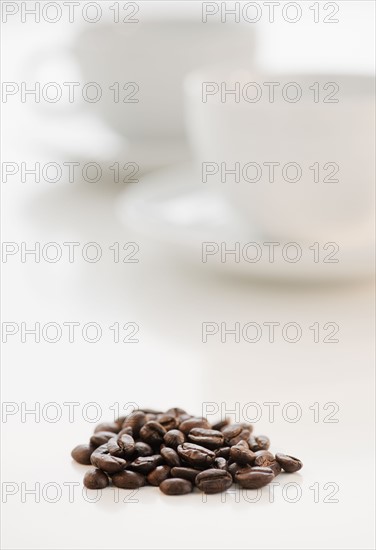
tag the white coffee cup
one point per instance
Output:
(312, 137)
(155, 55)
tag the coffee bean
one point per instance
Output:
(259, 443)
(114, 448)
(170, 456)
(212, 439)
(254, 478)
(128, 480)
(174, 438)
(108, 463)
(275, 467)
(194, 422)
(167, 421)
(184, 473)
(195, 454)
(145, 464)
(213, 481)
(99, 438)
(220, 463)
(223, 452)
(142, 449)
(241, 454)
(107, 427)
(289, 463)
(135, 421)
(82, 454)
(126, 443)
(242, 436)
(128, 430)
(230, 432)
(152, 432)
(95, 479)
(159, 474)
(263, 458)
(176, 486)
(234, 468)
(221, 424)
(176, 411)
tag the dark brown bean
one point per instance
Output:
(145, 464)
(135, 421)
(193, 422)
(170, 456)
(108, 463)
(212, 439)
(185, 473)
(100, 438)
(289, 463)
(95, 479)
(223, 452)
(220, 463)
(242, 436)
(126, 443)
(176, 411)
(159, 474)
(142, 449)
(152, 432)
(195, 455)
(168, 421)
(176, 486)
(259, 443)
(213, 481)
(128, 430)
(241, 454)
(174, 438)
(221, 424)
(128, 480)
(82, 454)
(254, 478)
(263, 458)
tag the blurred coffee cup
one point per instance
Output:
(293, 153)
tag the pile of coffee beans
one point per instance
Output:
(177, 451)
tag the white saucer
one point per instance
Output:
(172, 206)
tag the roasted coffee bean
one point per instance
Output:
(108, 463)
(150, 416)
(213, 481)
(126, 443)
(242, 436)
(289, 463)
(234, 468)
(114, 448)
(100, 438)
(167, 421)
(174, 438)
(176, 411)
(170, 456)
(176, 486)
(241, 454)
(212, 439)
(195, 454)
(135, 421)
(223, 452)
(153, 412)
(128, 480)
(95, 479)
(107, 427)
(142, 449)
(254, 478)
(159, 474)
(221, 424)
(263, 458)
(275, 467)
(187, 425)
(145, 464)
(82, 454)
(259, 443)
(152, 432)
(220, 463)
(128, 430)
(230, 432)
(184, 473)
